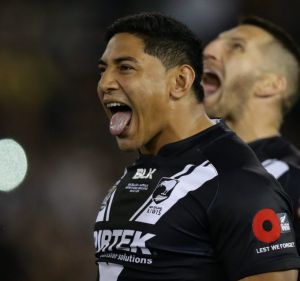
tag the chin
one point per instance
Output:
(211, 111)
(126, 146)
(211, 103)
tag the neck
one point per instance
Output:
(248, 133)
(256, 122)
(184, 122)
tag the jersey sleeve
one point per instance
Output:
(291, 183)
(251, 228)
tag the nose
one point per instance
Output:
(107, 83)
(213, 50)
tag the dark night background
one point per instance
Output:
(48, 103)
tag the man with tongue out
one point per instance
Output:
(196, 204)
(251, 79)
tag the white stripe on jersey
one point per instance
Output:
(109, 271)
(186, 183)
(141, 208)
(185, 169)
(109, 198)
(275, 167)
(106, 209)
(109, 205)
(100, 216)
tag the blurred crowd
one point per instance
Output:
(48, 103)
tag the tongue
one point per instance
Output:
(210, 88)
(211, 83)
(118, 122)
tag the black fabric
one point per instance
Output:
(280, 149)
(187, 214)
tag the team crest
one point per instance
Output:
(164, 189)
(284, 222)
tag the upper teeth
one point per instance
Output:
(112, 104)
(207, 71)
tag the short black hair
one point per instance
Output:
(165, 38)
(276, 31)
(288, 43)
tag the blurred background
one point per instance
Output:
(48, 103)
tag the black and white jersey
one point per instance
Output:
(202, 209)
(282, 160)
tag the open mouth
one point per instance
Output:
(121, 117)
(211, 82)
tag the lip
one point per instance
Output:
(109, 103)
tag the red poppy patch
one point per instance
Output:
(266, 226)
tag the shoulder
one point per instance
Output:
(280, 158)
(240, 173)
(241, 177)
(229, 152)
(277, 148)
(246, 191)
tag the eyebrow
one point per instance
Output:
(223, 35)
(237, 39)
(118, 60)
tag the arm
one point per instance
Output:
(289, 275)
(245, 247)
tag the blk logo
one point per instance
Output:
(163, 189)
(144, 173)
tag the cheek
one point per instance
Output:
(149, 92)
(238, 75)
(99, 92)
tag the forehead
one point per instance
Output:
(122, 45)
(248, 33)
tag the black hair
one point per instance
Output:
(165, 38)
(288, 44)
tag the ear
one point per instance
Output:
(270, 85)
(183, 78)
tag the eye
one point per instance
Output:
(237, 46)
(101, 70)
(125, 67)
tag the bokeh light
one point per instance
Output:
(13, 164)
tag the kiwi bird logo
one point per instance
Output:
(164, 189)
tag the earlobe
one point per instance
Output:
(271, 85)
(184, 77)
